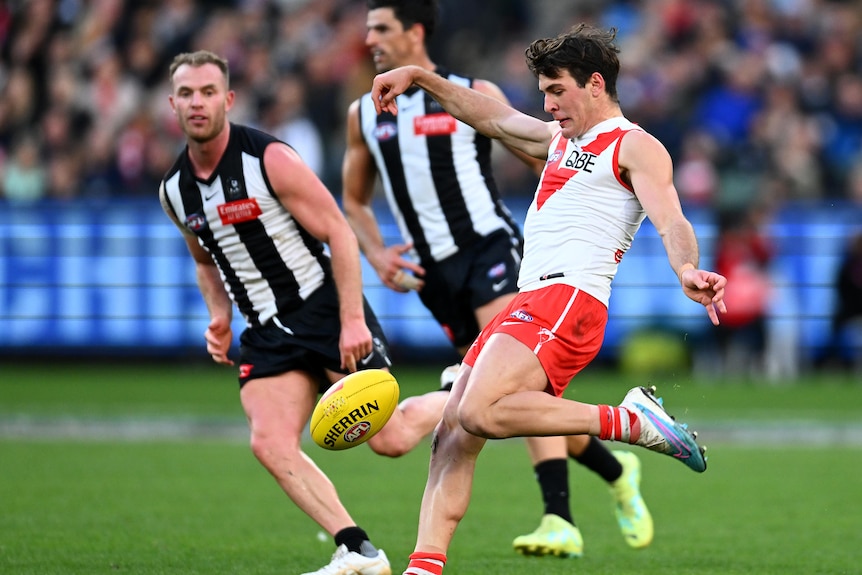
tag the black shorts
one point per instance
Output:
(306, 339)
(457, 286)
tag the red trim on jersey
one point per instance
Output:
(616, 164)
(552, 180)
(602, 141)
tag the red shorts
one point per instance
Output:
(564, 327)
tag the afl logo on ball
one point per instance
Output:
(357, 431)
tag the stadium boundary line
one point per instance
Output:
(737, 432)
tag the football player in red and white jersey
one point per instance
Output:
(603, 176)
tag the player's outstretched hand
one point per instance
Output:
(707, 289)
(390, 84)
(219, 337)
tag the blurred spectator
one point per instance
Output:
(728, 108)
(112, 96)
(846, 345)
(854, 185)
(843, 134)
(98, 23)
(174, 26)
(24, 176)
(791, 142)
(743, 254)
(18, 109)
(100, 177)
(756, 101)
(696, 176)
(282, 113)
(64, 175)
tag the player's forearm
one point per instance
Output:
(347, 272)
(680, 243)
(465, 104)
(364, 225)
(212, 289)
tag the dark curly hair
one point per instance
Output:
(582, 51)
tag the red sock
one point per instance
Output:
(426, 564)
(618, 424)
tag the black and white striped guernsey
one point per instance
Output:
(436, 172)
(269, 263)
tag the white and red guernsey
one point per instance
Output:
(583, 217)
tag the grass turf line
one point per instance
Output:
(205, 506)
(208, 507)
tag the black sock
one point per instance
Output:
(553, 478)
(356, 540)
(596, 457)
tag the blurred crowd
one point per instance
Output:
(759, 101)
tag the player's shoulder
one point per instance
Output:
(253, 139)
(638, 138)
(354, 108)
(483, 85)
(488, 88)
(638, 146)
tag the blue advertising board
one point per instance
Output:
(80, 278)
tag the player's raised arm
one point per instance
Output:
(535, 163)
(487, 115)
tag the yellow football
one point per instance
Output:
(354, 409)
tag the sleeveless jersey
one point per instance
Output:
(268, 262)
(436, 172)
(583, 218)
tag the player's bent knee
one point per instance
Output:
(479, 422)
(390, 443)
(269, 448)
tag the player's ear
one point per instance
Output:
(417, 32)
(596, 83)
(228, 101)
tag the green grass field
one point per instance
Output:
(144, 470)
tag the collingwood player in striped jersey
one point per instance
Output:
(461, 244)
(256, 220)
